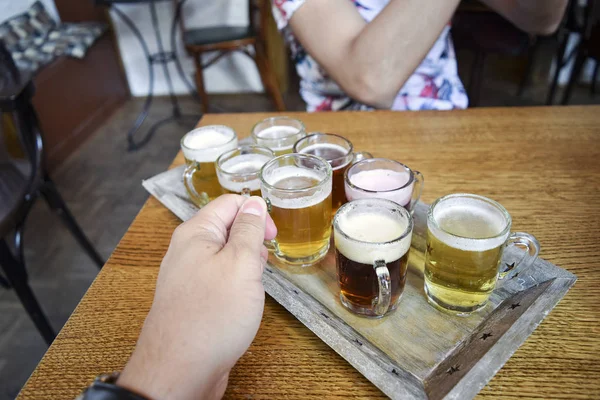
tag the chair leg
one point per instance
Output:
(560, 62)
(200, 83)
(268, 77)
(4, 283)
(16, 276)
(575, 73)
(594, 78)
(476, 78)
(58, 205)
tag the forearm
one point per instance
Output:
(391, 47)
(371, 62)
(534, 16)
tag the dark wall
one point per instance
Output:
(74, 97)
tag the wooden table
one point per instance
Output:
(542, 164)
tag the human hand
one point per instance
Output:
(208, 303)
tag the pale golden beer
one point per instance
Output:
(201, 147)
(278, 134)
(297, 188)
(466, 236)
(338, 151)
(238, 169)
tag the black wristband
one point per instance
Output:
(109, 391)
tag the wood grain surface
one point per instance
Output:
(542, 164)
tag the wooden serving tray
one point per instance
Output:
(417, 351)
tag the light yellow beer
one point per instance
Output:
(278, 134)
(238, 169)
(465, 241)
(201, 147)
(300, 205)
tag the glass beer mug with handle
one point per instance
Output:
(238, 169)
(297, 189)
(201, 147)
(372, 239)
(466, 236)
(278, 133)
(383, 178)
(339, 152)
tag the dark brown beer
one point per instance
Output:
(339, 158)
(358, 282)
(372, 239)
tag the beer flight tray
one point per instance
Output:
(416, 352)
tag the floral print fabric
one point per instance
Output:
(434, 85)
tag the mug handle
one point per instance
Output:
(271, 245)
(385, 287)
(521, 239)
(417, 190)
(188, 174)
(360, 155)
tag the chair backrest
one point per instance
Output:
(9, 73)
(257, 15)
(24, 115)
(592, 29)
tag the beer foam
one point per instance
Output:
(277, 132)
(275, 137)
(367, 233)
(468, 224)
(243, 165)
(296, 200)
(382, 181)
(206, 144)
(318, 149)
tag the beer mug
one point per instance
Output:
(338, 151)
(385, 179)
(201, 147)
(297, 189)
(238, 169)
(278, 134)
(372, 238)
(466, 235)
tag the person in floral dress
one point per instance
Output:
(390, 54)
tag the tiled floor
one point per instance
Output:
(101, 184)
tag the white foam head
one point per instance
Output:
(278, 137)
(469, 223)
(207, 143)
(241, 172)
(368, 234)
(296, 198)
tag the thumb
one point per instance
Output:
(248, 229)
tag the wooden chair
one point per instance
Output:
(484, 32)
(19, 192)
(588, 47)
(225, 39)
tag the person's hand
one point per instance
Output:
(208, 304)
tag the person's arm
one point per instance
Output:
(370, 62)
(208, 303)
(540, 17)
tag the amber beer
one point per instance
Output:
(278, 134)
(201, 147)
(297, 188)
(238, 169)
(372, 239)
(465, 241)
(337, 150)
